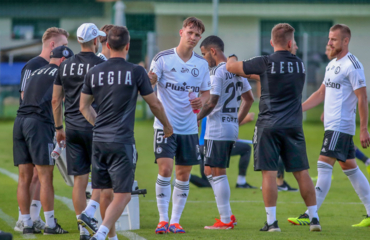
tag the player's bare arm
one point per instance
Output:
(245, 106)
(197, 103)
(86, 109)
(208, 107)
(235, 66)
(58, 95)
(315, 99)
(364, 116)
(157, 109)
(153, 77)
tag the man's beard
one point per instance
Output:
(334, 52)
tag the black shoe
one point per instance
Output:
(315, 225)
(30, 230)
(85, 237)
(271, 228)
(286, 187)
(56, 230)
(88, 223)
(5, 236)
(245, 185)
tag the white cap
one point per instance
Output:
(88, 31)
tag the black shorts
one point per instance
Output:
(113, 166)
(78, 151)
(270, 143)
(338, 145)
(184, 148)
(217, 153)
(32, 142)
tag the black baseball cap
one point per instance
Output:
(61, 51)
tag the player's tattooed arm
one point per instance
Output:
(86, 109)
(363, 110)
(56, 102)
(208, 107)
(245, 106)
(315, 99)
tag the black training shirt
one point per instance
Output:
(32, 65)
(71, 76)
(115, 85)
(37, 94)
(282, 77)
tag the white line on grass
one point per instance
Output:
(247, 201)
(68, 202)
(11, 223)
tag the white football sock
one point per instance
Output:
(163, 193)
(312, 212)
(49, 219)
(83, 231)
(91, 208)
(222, 191)
(102, 233)
(19, 214)
(26, 219)
(361, 186)
(271, 215)
(35, 210)
(113, 238)
(323, 183)
(241, 180)
(210, 180)
(179, 197)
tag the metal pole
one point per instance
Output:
(305, 62)
(215, 17)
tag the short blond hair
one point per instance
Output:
(53, 32)
(282, 33)
(344, 30)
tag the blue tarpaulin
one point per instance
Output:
(11, 75)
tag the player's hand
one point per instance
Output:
(365, 138)
(61, 136)
(322, 117)
(196, 103)
(153, 77)
(168, 131)
(250, 116)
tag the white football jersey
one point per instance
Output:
(222, 122)
(342, 78)
(175, 78)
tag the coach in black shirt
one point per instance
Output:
(278, 129)
(33, 141)
(68, 83)
(114, 85)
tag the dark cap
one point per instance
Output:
(61, 51)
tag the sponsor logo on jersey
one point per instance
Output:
(159, 150)
(337, 70)
(325, 142)
(328, 69)
(183, 88)
(184, 70)
(173, 70)
(332, 67)
(332, 84)
(195, 72)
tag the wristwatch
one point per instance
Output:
(58, 128)
(233, 55)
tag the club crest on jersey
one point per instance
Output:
(159, 150)
(195, 72)
(337, 70)
(184, 70)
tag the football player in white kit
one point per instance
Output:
(177, 71)
(343, 86)
(223, 121)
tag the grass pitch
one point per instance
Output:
(341, 209)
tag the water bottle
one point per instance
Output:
(193, 95)
(57, 150)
